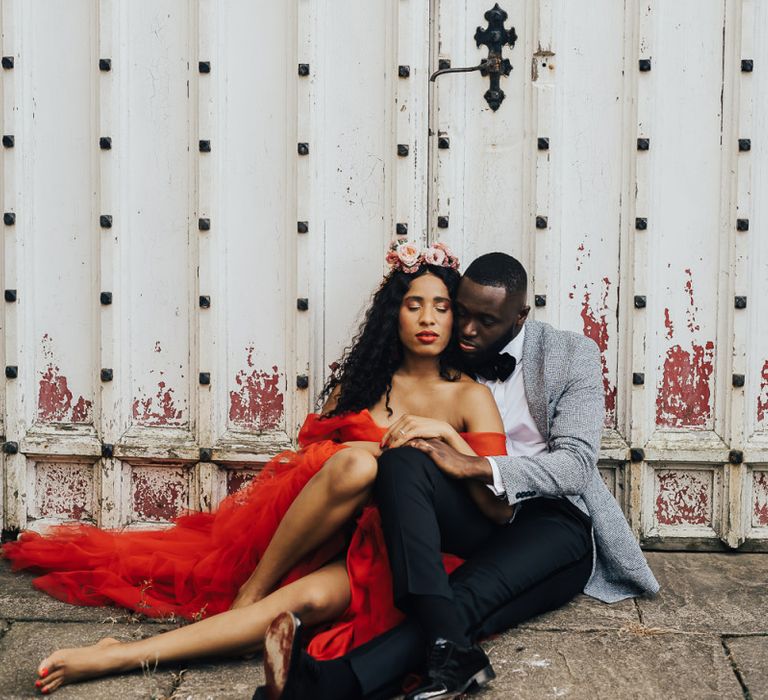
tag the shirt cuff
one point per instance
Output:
(497, 487)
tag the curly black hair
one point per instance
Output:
(369, 362)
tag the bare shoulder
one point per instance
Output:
(471, 391)
(474, 396)
(478, 407)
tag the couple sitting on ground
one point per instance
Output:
(447, 490)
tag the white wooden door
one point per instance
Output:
(619, 170)
(197, 196)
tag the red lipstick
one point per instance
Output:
(427, 337)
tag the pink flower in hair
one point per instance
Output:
(434, 256)
(450, 257)
(407, 257)
(408, 254)
(392, 259)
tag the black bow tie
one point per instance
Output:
(499, 367)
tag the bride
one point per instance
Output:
(303, 536)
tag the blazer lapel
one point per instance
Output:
(533, 375)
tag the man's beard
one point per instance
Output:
(471, 361)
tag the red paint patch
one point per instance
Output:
(258, 403)
(690, 311)
(54, 397)
(762, 397)
(237, 478)
(668, 325)
(64, 491)
(158, 409)
(683, 399)
(159, 493)
(760, 493)
(596, 327)
(683, 498)
(580, 258)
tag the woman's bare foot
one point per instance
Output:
(69, 665)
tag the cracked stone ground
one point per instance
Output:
(704, 636)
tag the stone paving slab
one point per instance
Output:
(723, 593)
(750, 655)
(221, 680)
(26, 643)
(533, 665)
(585, 650)
(20, 601)
(585, 613)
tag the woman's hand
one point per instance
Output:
(409, 427)
(245, 596)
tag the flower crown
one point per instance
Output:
(406, 256)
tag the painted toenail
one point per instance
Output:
(44, 673)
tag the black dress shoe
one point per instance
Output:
(453, 670)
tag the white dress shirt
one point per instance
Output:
(523, 437)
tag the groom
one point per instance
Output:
(566, 534)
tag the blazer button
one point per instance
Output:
(519, 494)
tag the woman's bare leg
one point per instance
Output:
(328, 500)
(318, 597)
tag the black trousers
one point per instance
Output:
(512, 572)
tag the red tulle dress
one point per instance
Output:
(194, 568)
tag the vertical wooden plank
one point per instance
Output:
(412, 47)
(157, 161)
(13, 465)
(686, 272)
(545, 277)
(584, 223)
(109, 419)
(753, 209)
(684, 161)
(61, 294)
(486, 177)
(732, 321)
(5, 312)
(352, 204)
(253, 226)
(6, 125)
(304, 311)
(204, 80)
(158, 154)
(56, 338)
(638, 208)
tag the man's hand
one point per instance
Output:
(408, 427)
(453, 463)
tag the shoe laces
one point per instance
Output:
(440, 657)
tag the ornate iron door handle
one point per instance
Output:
(495, 36)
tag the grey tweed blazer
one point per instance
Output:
(564, 387)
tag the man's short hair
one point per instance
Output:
(498, 270)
